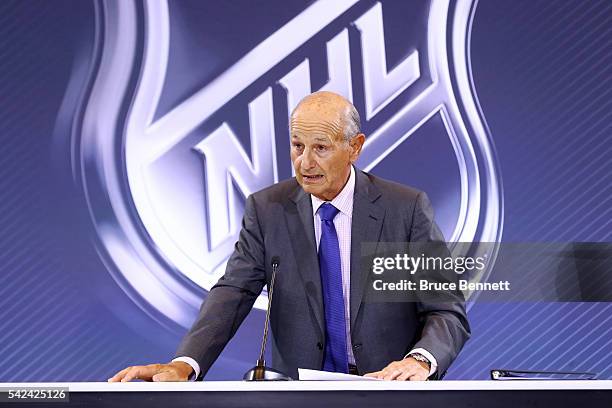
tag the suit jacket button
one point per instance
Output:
(320, 346)
(356, 346)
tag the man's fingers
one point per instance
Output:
(414, 373)
(117, 377)
(165, 376)
(132, 374)
(417, 377)
(136, 373)
(170, 374)
(401, 371)
(152, 372)
(390, 375)
(392, 371)
(405, 375)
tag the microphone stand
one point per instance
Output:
(260, 372)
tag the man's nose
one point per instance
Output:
(308, 161)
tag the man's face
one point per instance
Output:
(321, 156)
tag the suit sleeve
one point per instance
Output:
(231, 298)
(445, 327)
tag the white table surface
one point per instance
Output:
(323, 386)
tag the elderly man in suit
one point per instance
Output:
(316, 222)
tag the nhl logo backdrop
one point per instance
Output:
(184, 121)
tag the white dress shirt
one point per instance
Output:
(342, 222)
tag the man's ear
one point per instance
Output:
(356, 144)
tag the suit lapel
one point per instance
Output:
(366, 227)
(301, 229)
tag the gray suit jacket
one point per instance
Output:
(278, 221)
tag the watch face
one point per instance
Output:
(420, 357)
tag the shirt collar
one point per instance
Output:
(343, 201)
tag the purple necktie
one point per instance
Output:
(330, 266)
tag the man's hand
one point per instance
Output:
(175, 371)
(406, 369)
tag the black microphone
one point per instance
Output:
(260, 372)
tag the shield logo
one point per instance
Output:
(165, 185)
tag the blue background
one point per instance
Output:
(543, 73)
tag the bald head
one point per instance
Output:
(329, 107)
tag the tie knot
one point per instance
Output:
(327, 212)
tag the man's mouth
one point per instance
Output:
(312, 178)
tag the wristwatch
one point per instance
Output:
(420, 357)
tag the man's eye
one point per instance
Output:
(298, 146)
(321, 148)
